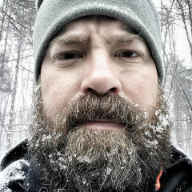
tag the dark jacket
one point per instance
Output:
(14, 167)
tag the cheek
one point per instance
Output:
(57, 89)
(141, 88)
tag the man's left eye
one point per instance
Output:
(126, 54)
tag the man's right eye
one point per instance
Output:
(68, 55)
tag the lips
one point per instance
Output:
(102, 125)
(104, 112)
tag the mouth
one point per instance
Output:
(102, 125)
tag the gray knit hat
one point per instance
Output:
(139, 15)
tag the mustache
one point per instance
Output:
(112, 108)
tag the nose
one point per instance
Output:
(101, 78)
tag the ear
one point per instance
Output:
(38, 3)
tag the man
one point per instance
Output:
(100, 117)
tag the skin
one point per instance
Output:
(98, 56)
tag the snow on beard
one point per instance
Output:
(72, 158)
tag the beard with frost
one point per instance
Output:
(66, 156)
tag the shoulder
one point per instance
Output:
(14, 167)
(178, 177)
(14, 154)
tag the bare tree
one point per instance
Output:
(178, 80)
(16, 21)
(184, 10)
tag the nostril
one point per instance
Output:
(92, 91)
(114, 90)
(95, 92)
(89, 90)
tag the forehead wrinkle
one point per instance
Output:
(124, 35)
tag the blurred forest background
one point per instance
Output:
(16, 69)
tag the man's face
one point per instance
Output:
(98, 56)
(100, 121)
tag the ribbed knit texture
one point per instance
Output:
(53, 15)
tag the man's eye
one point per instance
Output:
(69, 55)
(126, 54)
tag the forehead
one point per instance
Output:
(97, 20)
(100, 24)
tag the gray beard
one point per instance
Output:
(86, 160)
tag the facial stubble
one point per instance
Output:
(72, 158)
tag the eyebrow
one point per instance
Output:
(84, 39)
(72, 40)
(125, 39)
